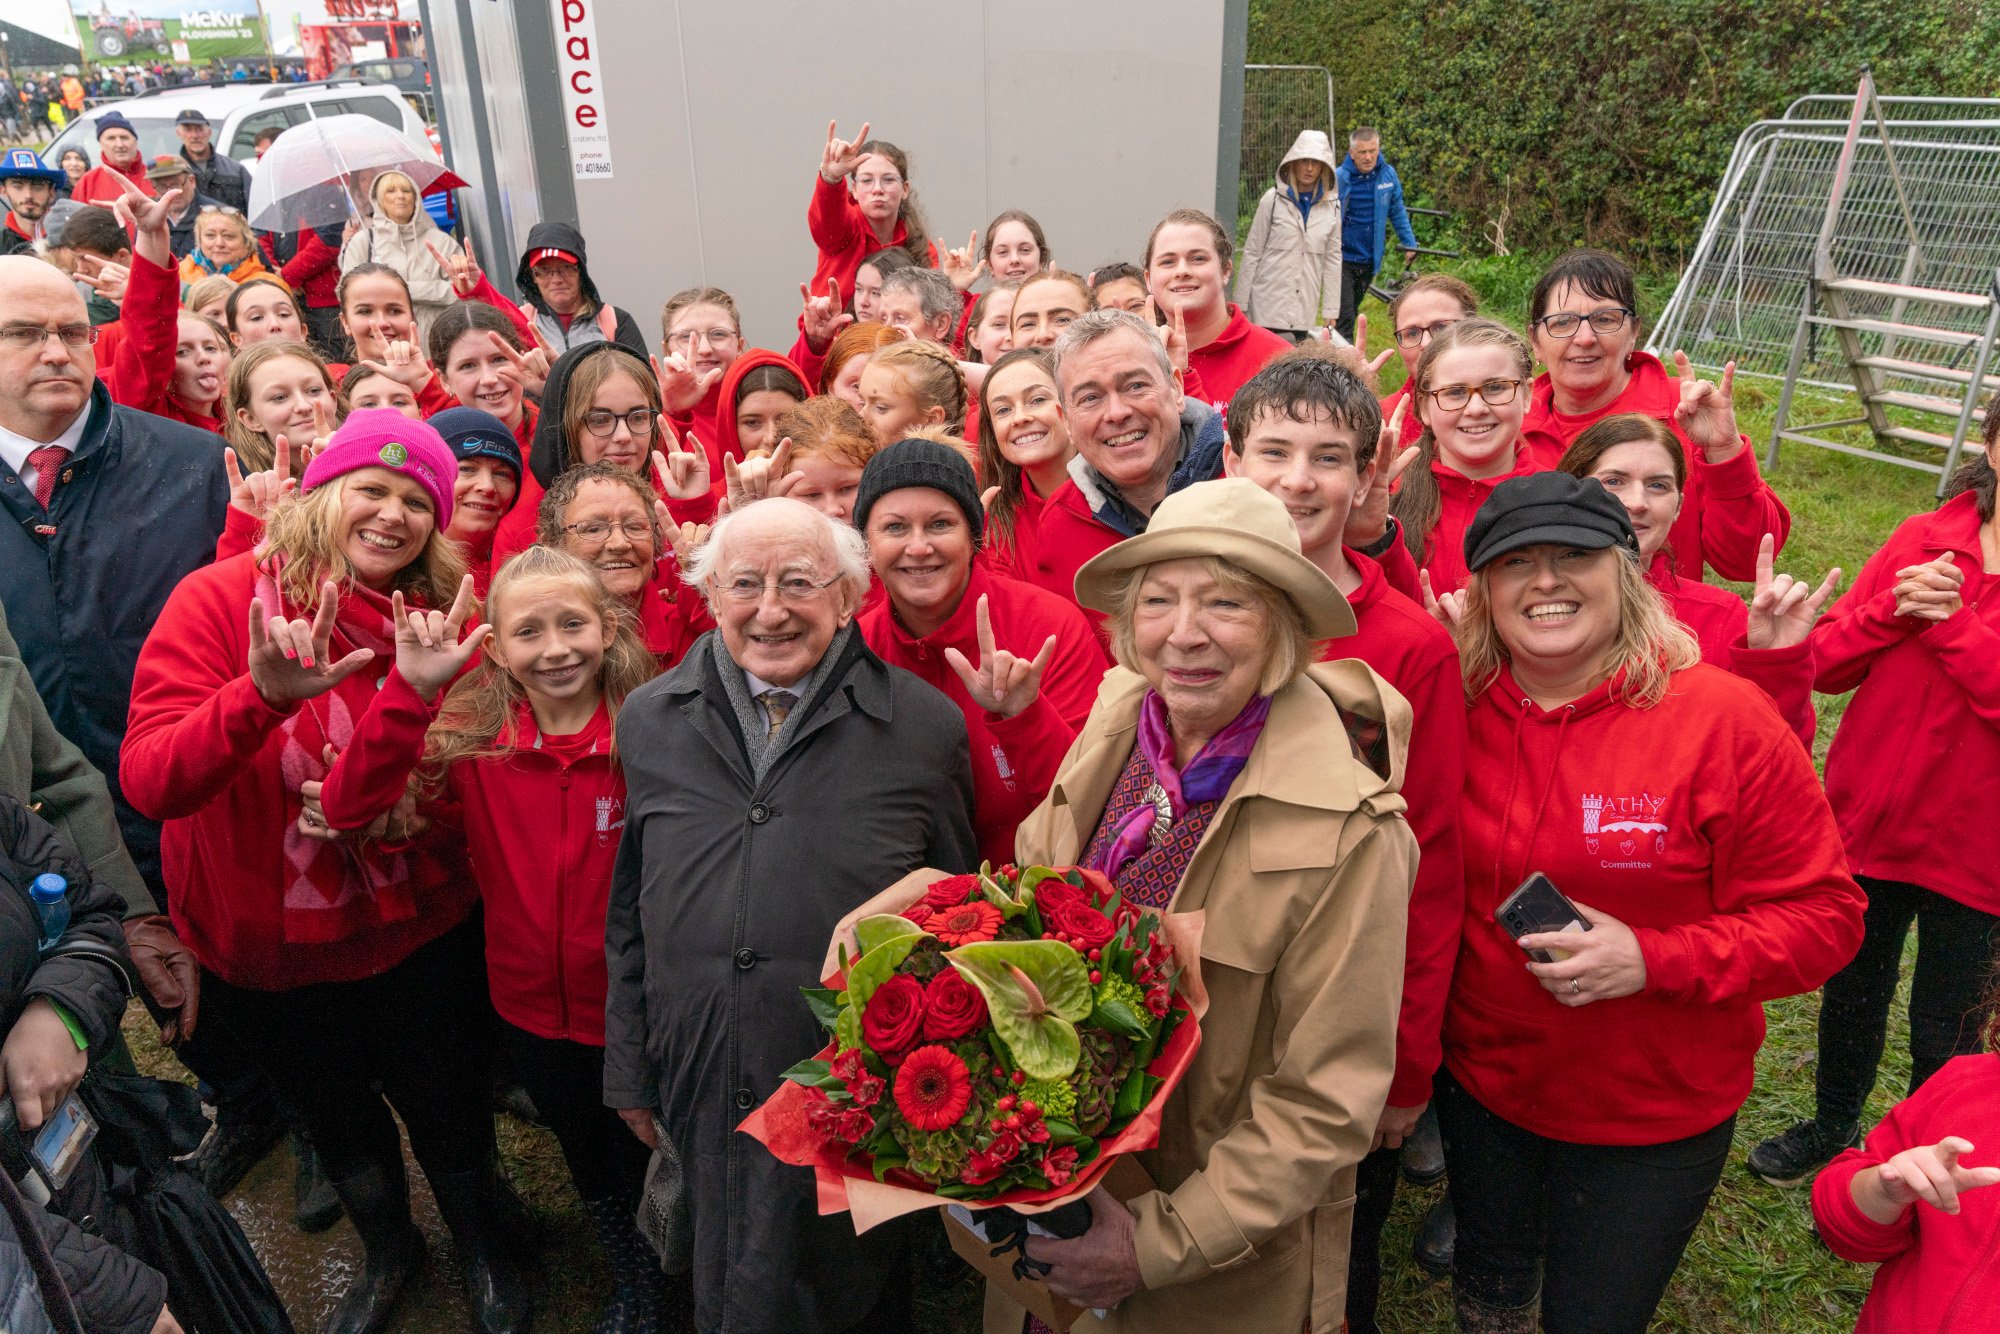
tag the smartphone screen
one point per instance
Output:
(60, 1142)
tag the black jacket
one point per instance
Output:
(91, 982)
(725, 894)
(550, 453)
(582, 330)
(222, 177)
(141, 504)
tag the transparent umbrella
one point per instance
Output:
(317, 174)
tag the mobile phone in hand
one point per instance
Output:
(1539, 906)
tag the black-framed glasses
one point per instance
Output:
(1564, 324)
(603, 421)
(1497, 393)
(31, 337)
(1418, 334)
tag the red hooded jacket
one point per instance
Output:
(1014, 558)
(1698, 823)
(203, 755)
(724, 442)
(1068, 536)
(313, 270)
(541, 824)
(1922, 732)
(844, 237)
(1412, 652)
(1228, 360)
(100, 185)
(1940, 1273)
(1721, 623)
(1014, 760)
(141, 372)
(1728, 507)
(1459, 499)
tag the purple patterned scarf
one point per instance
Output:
(1206, 779)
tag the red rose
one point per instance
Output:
(965, 924)
(893, 1019)
(952, 891)
(1054, 895)
(933, 1088)
(980, 1170)
(918, 913)
(1079, 923)
(953, 1007)
(1005, 1148)
(1060, 1165)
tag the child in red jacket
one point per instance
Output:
(520, 750)
(1937, 1270)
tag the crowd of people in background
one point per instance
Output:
(506, 694)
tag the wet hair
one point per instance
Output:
(238, 289)
(1034, 231)
(1444, 284)
(569, 484)
(936, 297)
(689, 297)
(1595, 273)
(371, 270)
(1299, 387)
(461, 318)
(916, 237)
(96, 230)
(1418, 504)
(1976, 473)
(856, 340)
(255, 450)
(826, 427)
(770, 378)
(1117, 270)
(977, 314)
(237, 222)
(994, 467)
(589, 375)
(215, 327)
(1225, 249)
(929, 373)
(476, 719)
(208, 289)
(1627, 428)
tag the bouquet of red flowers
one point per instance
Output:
(998, 1042)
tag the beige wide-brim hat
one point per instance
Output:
(1240, 522)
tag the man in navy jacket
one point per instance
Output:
(1371, 197)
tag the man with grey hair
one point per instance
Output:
(922, 303)
(778, 777)
(1138, 440)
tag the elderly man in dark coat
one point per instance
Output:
(778, 777)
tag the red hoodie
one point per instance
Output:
(1014, 558)
(1728, 507)
(671, 615)
(541, 824)
(1940, 1273)
(203, 754)
(1014, 760)
(141, 371)
(313, 270)
(724, 442)
(1412, 652)
(1698, 823)
(1068, 536)
(100, 184)
(1721, 623)
(844, 237)
(1232, 357)
(1921, 737)
(1459, 499)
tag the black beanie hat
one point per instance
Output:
(1547, 507)
(920, 462)
(476, 433)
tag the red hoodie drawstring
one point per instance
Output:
(1541, 802)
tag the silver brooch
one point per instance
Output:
(1163, 815)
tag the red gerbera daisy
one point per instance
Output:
(933, 1088)
(966, 923)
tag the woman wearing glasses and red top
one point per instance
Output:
(1425, 308)
(1584, 319)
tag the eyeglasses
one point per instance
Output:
(602, 421)
(796, 589)
(219, 208)
(30, 337)
(1455, 396)
(596, 532)
(713, 337)
(1565, 324)
(1419, 334)
(887, 181)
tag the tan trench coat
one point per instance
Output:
(1305, 878)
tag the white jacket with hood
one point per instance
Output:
(1291, 261)
(403, 247)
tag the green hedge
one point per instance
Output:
(1552, 123)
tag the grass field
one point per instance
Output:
(1753, 1266)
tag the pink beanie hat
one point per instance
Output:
(385, 438)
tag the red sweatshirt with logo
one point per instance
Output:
(1412, 652)
(1698, 823)
(1940, 1273)
(1227, 361)
(541, 823)
(1014, 760)
(1727, 507)
(1921, 738)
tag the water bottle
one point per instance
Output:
(51, 895)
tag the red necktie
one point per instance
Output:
(47, 462)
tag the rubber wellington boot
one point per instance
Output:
(496, 1283)
(379, 1204)
(637, 1285)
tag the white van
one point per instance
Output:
(239, 112)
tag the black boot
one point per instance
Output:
(637, 1285)
(1437, 1239)
(379, 1204)
(315, 1203)
(1423, 1151)
(233, 1148)
(496, 1285)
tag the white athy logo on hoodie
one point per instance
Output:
(610, 817)
(1624, 827)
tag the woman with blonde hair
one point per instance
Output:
(909, 385)
(224, 247)
(343, 961)
(847, 356)
(277, 390)
(400, 235)
(1677, 865)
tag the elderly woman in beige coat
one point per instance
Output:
(1223, 771)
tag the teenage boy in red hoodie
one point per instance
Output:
(1305, 429)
